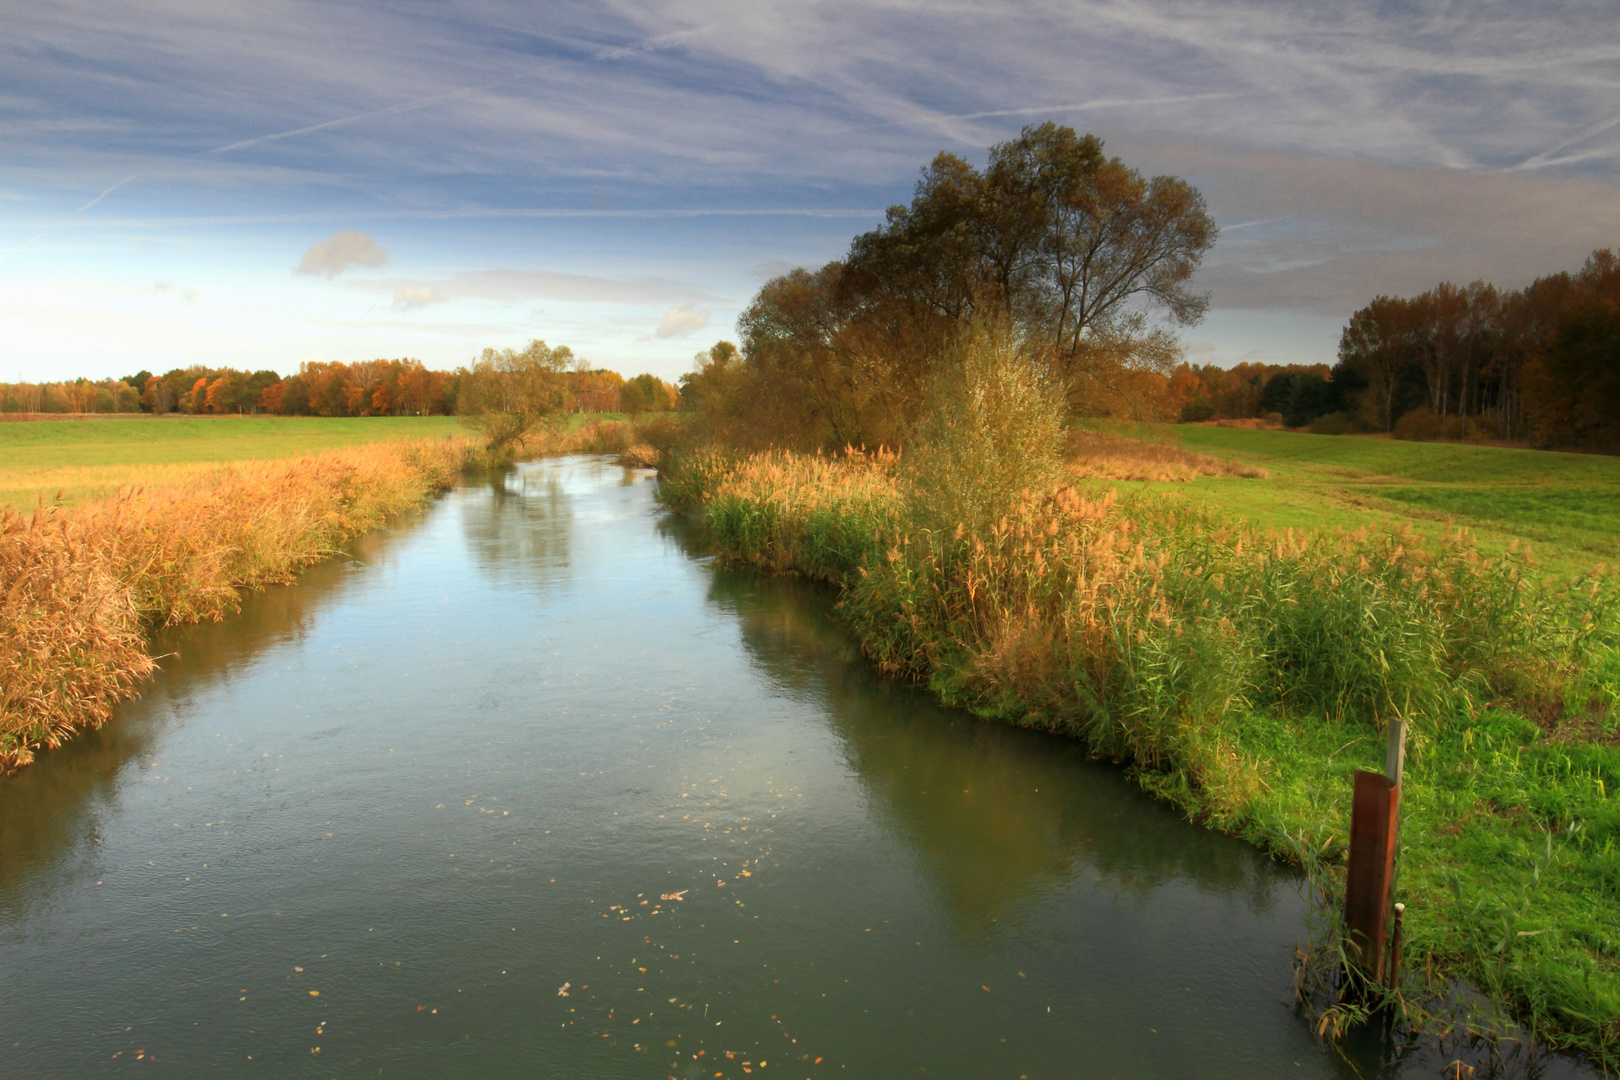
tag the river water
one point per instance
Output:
(528, 786)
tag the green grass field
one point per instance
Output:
(84, 459)
(1566, 505)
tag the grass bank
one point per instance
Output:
(84, 584)
(1565, 505)
(1245, 671)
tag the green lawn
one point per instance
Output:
(88, 458)
(1566, 505)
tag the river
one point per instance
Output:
(526, 785)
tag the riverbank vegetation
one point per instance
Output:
(1079, 580)
(85, 584)
(1244, 672)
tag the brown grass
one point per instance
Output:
(1114, 457)
(80, 587)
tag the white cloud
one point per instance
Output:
(332, 256)
(682, 320)
(188, 295)
(416, 297)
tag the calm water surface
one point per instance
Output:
(529, 787)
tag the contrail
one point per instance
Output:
(1546, 158)
(1099, 103)
(1096, 103)
(389, 111)
(20, 248)
(104, 194)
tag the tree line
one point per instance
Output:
(403, 387)
(1539, 364)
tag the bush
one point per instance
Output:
(1196, 411)
(993, 431)
(1333, 423)
(1422, 425)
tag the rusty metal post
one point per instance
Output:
(1373, 815)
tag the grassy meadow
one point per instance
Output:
(1240, 635)
(85, 459)
(1567, 506)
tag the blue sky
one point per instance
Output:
(264, 183)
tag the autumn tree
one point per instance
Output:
(507, 393)
(1085, 261)
(646, 393)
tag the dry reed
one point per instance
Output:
(1113, 457)
(80, 587)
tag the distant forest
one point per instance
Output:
(367, 388)
(1540, 365)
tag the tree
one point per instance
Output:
(646, 393)
(1376, 346)
(155, 397)
(1085, 259)
(506, 394)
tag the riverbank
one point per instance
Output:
(85, 584)
(1244, 673)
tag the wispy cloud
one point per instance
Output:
(508, 286)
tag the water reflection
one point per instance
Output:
(993, 813)
(519, 536)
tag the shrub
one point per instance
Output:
(1333, 423)
(993, 430)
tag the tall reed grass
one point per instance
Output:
(1104, 455)
(83, 586)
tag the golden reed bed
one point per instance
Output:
(1105, 456)
(80, 588)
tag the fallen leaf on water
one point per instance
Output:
(674, 895)
(314, 993)
(562, 991)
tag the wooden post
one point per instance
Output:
(1373, 816)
